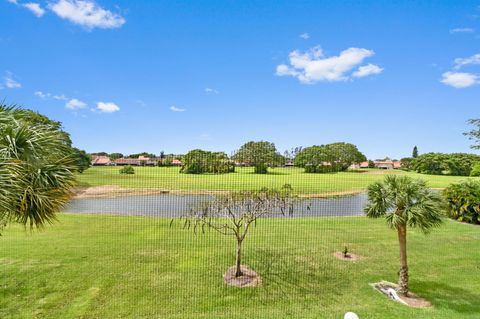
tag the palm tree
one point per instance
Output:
(404, 202)
(36, 168)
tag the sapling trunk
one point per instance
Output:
(238, 260)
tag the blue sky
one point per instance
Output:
(133, 76)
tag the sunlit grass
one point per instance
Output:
(244, 179)
(89, 266)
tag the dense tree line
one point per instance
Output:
(458, 164)
(335, 157)
(200, 161)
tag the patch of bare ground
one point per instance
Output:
(249, 278)
(112, 191)
(390, 290)
(333, 194)
(348, 257)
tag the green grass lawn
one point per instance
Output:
(89, 266)
(245, 179)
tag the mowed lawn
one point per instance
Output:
(244, 179)
(89, 266)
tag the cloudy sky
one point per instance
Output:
(133, 76)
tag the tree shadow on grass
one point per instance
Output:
(450, 297)
(287, 275)
(269, 173)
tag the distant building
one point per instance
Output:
(101, 161)
(388, 164)
(364, 164)
(176, 162)
(127, 161)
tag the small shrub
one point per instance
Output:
(345, 252)
(127, 170)
(475, 169)
(463, 201)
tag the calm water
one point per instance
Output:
(167, 205)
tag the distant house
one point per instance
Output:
(101, 161)
(388, 164)
(176, 162)
(354, 166)
(127, 161)
(289, 163)
(364, 164)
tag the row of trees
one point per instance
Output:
(261, 155)
(458, 164)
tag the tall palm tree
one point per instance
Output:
(36, 168)
(403, 202)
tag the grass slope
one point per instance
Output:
(245, 179)
(90, 266)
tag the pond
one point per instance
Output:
(168, 205)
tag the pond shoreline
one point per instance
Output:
(113, 191)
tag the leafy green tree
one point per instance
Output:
(457, 164)
(415, 152)
(474, 134)
(335, 157)
(36, 167)
(475, 169)
(406, 163)
(371, 164)
(463, 201)
(144, 154)
(82, 160)
(404, 202)
(260, 155)
(199, 162)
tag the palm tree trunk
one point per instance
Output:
(403, 273)
(238, 272)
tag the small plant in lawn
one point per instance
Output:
(345, 252)
(127, 170)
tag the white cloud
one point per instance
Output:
(176, 109)
(459, 80)
(35, 8)
(60, 97)
(462, 30)
(474, 59)
(366, 70)
(210, 90)
(107, 107)
(86, 13)
(305, 36)
(74, 104)
(10, 82)
(42, 95)
(312, 66)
